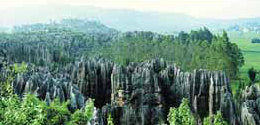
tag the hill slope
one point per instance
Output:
(121, 19)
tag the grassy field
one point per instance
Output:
(243, 40)
(250, 51)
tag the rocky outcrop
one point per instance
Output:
(47, 87)
(250, 110)
(157, 85)
(93, 77)
(3, 63)
(139, 93)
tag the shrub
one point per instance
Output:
(58, 112)
(252, 74)
(80, 117)
(215, 120)
(29, 111)
(181, 115)
(110, 120)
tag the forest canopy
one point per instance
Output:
(139, 69)
(61, 43)
(195, 50)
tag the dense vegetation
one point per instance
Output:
(52, 44)
(32, 111)
(181, 115)
(215, 120)
(251, 53)
(196, 50)
(255, 40)
(252, 74)
(184, 116)
(57, 45)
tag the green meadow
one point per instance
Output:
(251, 52)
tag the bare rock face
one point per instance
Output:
(152, 87)
(250, 110)
(3, 64)
(3, 59)
(136, 94)
(93, 77)
(47, 87)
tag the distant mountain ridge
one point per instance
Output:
(78, 25)
(120, 19)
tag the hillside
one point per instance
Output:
(120, 19)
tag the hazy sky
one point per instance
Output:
(224, 9)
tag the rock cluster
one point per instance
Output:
(139, 93)
(250, 110)
(93, 77)
(3, 63)
(47, 87)
(145, 91)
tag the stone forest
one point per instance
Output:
(79, 72)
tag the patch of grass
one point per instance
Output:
(243, 40)
(251, 51)
(251, 54)
(252, 59)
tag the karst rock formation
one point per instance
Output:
(250, 109)
(136, 94)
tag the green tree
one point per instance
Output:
(109, 120)
(82, 117)
(28, 111)
(181, 115)
(57, 112)
(215, 120)
(33, 111)
(252, 74)
(6, 90)
(89, 109)
(20, 68)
